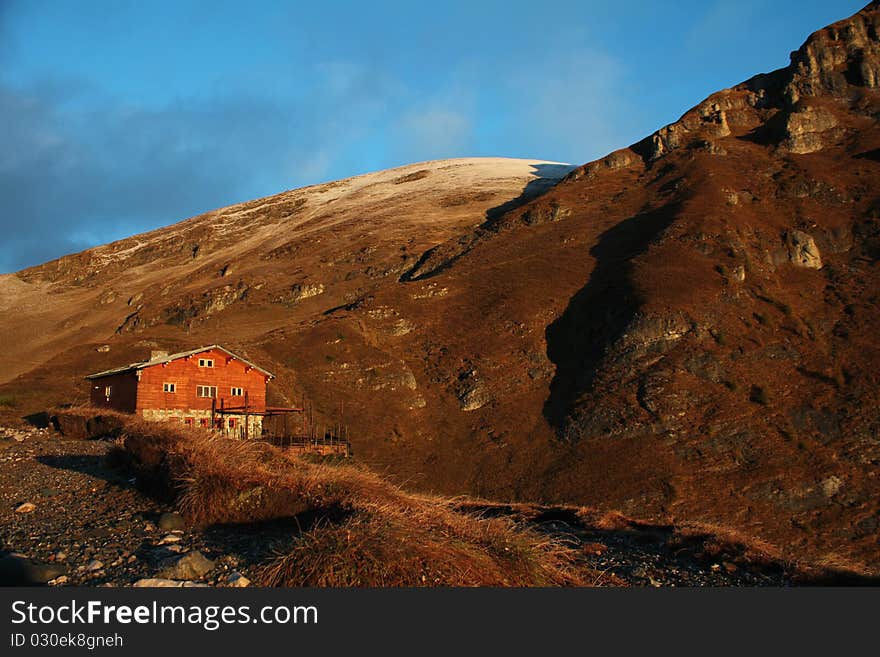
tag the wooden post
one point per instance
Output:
(246, 427)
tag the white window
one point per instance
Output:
(169, 387)
(206, 391)
(206, 362)
(237, 392)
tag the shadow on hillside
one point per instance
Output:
(546, 177)
(599, 312)
(873, 155)
(442, 256)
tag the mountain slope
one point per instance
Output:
(346, 235)
(683, 329)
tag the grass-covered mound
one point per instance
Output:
(361, 530)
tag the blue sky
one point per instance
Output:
(121, 116)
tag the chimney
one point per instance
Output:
(156, 355)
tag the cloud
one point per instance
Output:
(575, 111)
(112, 170)
(83, 164)
(432, 132)
(80, 168)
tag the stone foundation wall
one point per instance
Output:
(202, 418)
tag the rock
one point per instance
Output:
(802, 250)
(171, 521)
(237, 580)
(16, 570)
(149, 526)
(104, 348)
(472, 393)
(159, 582)
(594, 549)
(301, 291)
(25, 507)
(190, 566)
(169, 538)
(97, 532)
(58, 581)
(94, 565)
(60, 555)
(831, 486)
(806, 129)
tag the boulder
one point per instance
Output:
(171, 521)
(809, 130)
(237, 580)
(159, 582)
(16, 570)
(802, 250)
(192, 565)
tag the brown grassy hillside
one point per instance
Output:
(684, 329)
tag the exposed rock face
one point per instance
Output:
(802, 250)
(301, 291)
(809, 129)
(841, 54)
(472, 392)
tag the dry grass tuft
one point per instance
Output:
(721, 542)
(433, 547)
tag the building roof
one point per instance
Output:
(166, 359)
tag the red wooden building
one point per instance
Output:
(207, 387)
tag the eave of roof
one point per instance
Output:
(167, 359)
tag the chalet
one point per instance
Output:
(208, 387)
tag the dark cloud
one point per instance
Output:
(77, 170)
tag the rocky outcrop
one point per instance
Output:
(845, 53)
(471, 391)
(299, 292)
(831, 64)
(802, 250)
(810, 129)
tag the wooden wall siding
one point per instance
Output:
(123, 392)
(186, 374)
